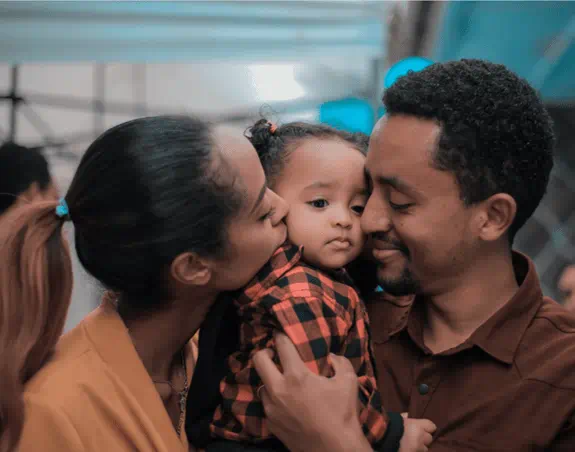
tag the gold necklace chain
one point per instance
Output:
(182, 395)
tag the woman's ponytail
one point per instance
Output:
(35, 294)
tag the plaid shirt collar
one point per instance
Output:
(283, 260)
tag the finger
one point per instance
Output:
(427, 439)
(428, 426)
(269, 352)
(268, 405)
(404, 415)
(265, 398)
(341, 365)
(267, 369)
(259, 391)
(289, 356)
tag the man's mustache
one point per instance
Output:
(390, 241)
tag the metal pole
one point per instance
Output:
(553, 55)
(139, 89)
(14, 100)
(376, 82)
(99, 94)
(379, 64)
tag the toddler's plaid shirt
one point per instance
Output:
(321, 313)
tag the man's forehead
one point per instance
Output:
(403, 141)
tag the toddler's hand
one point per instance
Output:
(416, 435)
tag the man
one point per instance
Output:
(463, 335)
(24, 175)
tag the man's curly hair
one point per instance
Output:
(496, 135)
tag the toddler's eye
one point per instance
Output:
(319, 203)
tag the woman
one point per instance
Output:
(168, 213)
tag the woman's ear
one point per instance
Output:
(191, 269)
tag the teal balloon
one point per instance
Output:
(357, 115)
(351, 115)
(402, 67)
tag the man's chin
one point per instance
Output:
(398, 290)
(387, 274)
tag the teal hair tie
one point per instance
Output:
(62, 208)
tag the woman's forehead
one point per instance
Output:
(241, 158)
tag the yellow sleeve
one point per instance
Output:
(48, 429)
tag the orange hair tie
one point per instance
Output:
(273, 127)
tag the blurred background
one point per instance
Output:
(70, 70)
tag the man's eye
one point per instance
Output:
(399, 207)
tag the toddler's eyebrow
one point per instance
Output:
(319, 184)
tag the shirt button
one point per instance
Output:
(423, 389)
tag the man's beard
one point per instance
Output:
(404, 285)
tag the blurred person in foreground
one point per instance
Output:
(567, 286)
(463, 333)
(24, 176)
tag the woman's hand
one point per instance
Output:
(306, 411)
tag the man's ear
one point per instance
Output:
(496, 216)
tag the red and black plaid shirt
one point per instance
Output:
(322, 314)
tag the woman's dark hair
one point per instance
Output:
(20, 167)
(164, 194)
(144, 192)
(275, 144)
